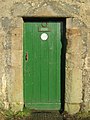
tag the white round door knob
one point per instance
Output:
(44, 36)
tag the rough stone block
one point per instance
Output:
(87, 106)
(88, 21)
(69, 24)
(88, 12)
(87, 63)
(72, 108)
(17, 106)
(2, 38)
(45, 11)
(74, 86)
(16, 92)
(16, 37)
(17, 58)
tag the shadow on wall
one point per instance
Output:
(63, 62)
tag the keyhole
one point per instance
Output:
(26, 57)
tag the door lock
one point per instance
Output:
(26, 57)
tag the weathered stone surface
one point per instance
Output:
(72, 108)
(74, 66)
(16, 58)
(6, 23)
(45, 11)
(77, 14)
(16, 103)
(16, 39)
(88, 43)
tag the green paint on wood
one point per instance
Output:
(41, 66)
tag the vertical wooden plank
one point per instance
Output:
(59, 46)
(44, 71)
(52, 64)
(36, 64)
(28, 75)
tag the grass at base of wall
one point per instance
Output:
(83, 114)
(78, 116)
(10, 115)
(26, 114)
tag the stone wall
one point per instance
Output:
(77, 14)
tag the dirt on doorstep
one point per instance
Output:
(57, 116)
(45, 115)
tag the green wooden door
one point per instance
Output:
(41, 68)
